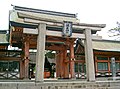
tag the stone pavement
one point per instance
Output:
(61, 84)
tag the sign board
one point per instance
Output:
(67, 29)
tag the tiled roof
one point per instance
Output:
(3, 37)
(106, 45)
(44, 15)
(44, 11)
(100, 45)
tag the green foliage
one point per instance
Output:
(49, 54)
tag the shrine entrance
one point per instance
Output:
(48, 30)
(9, 69)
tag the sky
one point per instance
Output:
(88, 11)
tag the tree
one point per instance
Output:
(115, 32)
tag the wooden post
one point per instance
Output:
(57, 64)
(26, 58)
(72, 72)
(40, 55)
(65, 64)
(22, 63)
(21, 69)
(90, 70)
(61, 65)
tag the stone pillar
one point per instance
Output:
(90, 70)
(40, 55)
(72, 72)
(113, 66)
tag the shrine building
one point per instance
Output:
(35, 31)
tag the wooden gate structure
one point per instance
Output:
(41, 29)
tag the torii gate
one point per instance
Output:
(55, 19)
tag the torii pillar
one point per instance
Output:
(40, 55)
(90, 70)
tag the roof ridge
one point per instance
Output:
(44, 11)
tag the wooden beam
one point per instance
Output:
(107, 53)
(10, 58)
(55, 48)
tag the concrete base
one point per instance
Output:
(60, 85)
